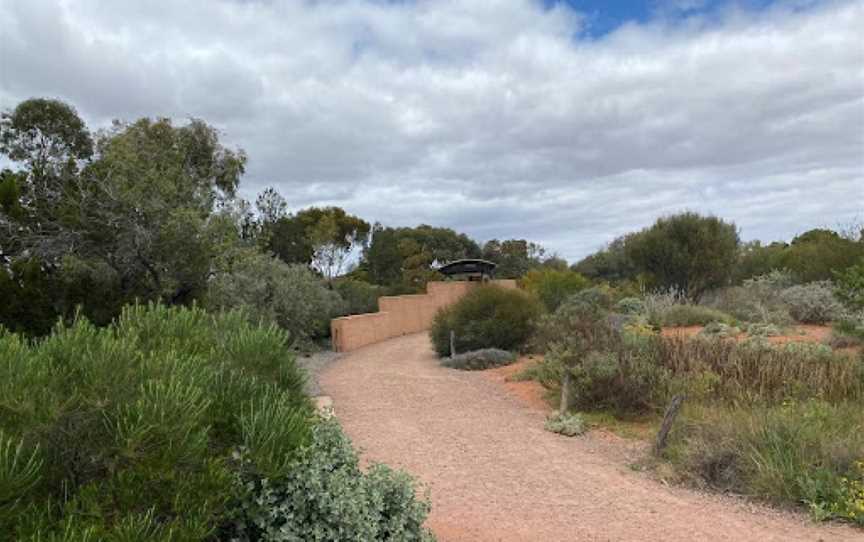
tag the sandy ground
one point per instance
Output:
(495, 475)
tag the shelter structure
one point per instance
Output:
(473, 270)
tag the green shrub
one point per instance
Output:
(479, 359)
(131, 428)
(692, 315)
(359, 297)
(325, 496)
(268, 290)
(623, 381)
(850, 286)
(553, 286)
(631, 305)
(569, 425)
(848, 331)
(792, 453)
(486, 317)
(763, 330)
(812, 303)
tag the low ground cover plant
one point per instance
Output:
(486, 358)
(567, 424)
(487, 317)
(324, 496)
(692, 315)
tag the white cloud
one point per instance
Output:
(494, 118)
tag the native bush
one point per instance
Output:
(359, 297)
(812, 303)
(850, 286)
(553, 286)
(848, 331)
(131, 428)
(630, 305)
(567, 424)
(796, 452)
(757, 300)
(692, 315)
(268, 290)
(486, 358)
(486, 317)
(325, 496)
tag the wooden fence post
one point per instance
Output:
(668, 420)
(452, 343)
(566, 400)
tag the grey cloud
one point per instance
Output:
(493, 118)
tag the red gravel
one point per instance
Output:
(496, 475)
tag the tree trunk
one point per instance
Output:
(668, 420)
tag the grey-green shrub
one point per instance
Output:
(812, 303)
(757, 300)
(479, 359)
(567, 424)
(269, 290)
(721, 330)
(324, 496)
(486, 317)
(692, 315)
(630, 305)
(131, 428)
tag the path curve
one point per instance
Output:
(496, 475)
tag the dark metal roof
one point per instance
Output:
(461, 267)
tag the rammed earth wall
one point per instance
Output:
(399, 315)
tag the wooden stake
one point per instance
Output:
(452, 343)
(668, 420)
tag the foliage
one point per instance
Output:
(817, 254)
(692, 315)
(513, 257)
(567, 424)
(687, 251)
(323, 238)
(486, 317)
(848, 331)
(552, 286)
(359, 297)
(159, 402)
(612, 264)
(407, 255)
(134, 212)
(812, 303)
(796, 452)
(631, 305)
(763, 330)
(850, 286)
(720, 330)
(486, 358)
(271, 291)
(758, 300)
(325, 496)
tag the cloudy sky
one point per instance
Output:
(568, 123)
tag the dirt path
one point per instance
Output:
(496, 475)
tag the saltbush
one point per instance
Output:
(630, 305)
(692, 315)
(269, 290)
(479, 359)
(567, 424)
(757, 300)
(486, 317)
(848, 331)
(105, 432)
(324, 496)
(812, 303)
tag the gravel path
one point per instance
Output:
(314, 364)
(496, 475)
